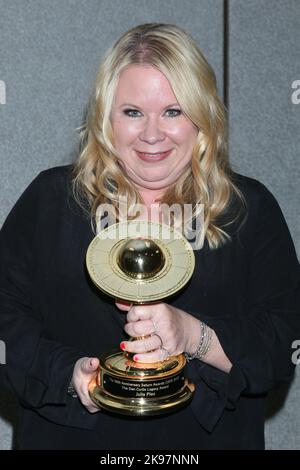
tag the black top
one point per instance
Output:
(51, 314)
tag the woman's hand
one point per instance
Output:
(85, 370)
(172, 331)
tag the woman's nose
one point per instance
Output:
(152, 132)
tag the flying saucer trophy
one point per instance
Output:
(140, 262)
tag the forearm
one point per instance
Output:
(215, 356)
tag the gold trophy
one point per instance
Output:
(141, 262)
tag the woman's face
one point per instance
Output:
(147, 122)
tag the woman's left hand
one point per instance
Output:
(172, 331)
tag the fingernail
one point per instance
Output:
(135, 358)
(122, 345)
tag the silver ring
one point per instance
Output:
(154, 326)
(161, 341)
(168, 354)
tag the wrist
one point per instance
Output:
(190, 327)
(194, 336)
(203, 344)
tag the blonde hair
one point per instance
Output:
(98, 178)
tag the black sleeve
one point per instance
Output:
(259, 342)
(38, 369)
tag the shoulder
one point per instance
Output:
(54, 188)
(58, 175)
(252, 189)
(50, 185)
(263, 212)
(259, 199)
(257, 206)
(50, 188)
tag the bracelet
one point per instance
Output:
(204, 344)
(71, 390)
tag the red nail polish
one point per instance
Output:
(136, 358)
(122, 345)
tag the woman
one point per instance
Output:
(155, 134)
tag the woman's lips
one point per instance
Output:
(153, 157)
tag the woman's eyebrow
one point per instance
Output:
(136, 106)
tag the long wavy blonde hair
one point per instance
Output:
(98, 177)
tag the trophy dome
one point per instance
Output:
(140, 258)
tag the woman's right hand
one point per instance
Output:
(85, 370)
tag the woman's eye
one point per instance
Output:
(131, 112)
(173, 112)
(135, 113)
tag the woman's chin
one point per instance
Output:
(151, 181)
(154, 185)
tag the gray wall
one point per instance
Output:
(49, 54)
(264, 61)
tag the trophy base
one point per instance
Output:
(140, 389)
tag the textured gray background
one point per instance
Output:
(49, 54)
(264, 60)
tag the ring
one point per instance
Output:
(161, 341)
(154, 326)
(168, 354)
